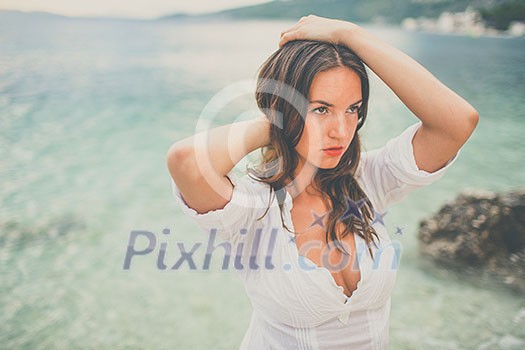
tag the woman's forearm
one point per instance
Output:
(431, 101)
(221, 148)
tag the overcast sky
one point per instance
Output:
(123, 8)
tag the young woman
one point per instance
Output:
(305, 226)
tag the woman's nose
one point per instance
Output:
(339, 127)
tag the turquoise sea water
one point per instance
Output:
(88, 110)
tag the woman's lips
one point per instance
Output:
(333, 151)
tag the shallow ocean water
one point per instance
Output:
(88, 111)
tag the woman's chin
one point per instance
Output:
(329, 163)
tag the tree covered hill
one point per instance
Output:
(390, 11)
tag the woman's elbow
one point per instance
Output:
(471, 119)
(472, 116)
(474, 119)
(179, 157)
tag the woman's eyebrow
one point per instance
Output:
(331, 105)
(322, 102)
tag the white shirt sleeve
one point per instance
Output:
(390, 173)
(241, 212)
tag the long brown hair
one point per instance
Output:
(282, 90)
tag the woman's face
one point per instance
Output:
(332, 116)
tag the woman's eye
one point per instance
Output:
(354, 109)
(320, 108)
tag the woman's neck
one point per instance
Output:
(303, 178)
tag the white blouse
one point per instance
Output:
(297, 304)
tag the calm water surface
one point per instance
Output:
(88, 110)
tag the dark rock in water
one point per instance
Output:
(480, 232)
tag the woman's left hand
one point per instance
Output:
(313, 27)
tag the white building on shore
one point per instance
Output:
(466, 23)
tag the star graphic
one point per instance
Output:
(352, 208)
(378, 217)
(318, 220)
(399, 230)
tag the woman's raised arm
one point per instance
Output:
(447, 119)
(199, 164)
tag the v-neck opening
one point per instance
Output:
(288, 198)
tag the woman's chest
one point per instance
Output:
(311, 226)
(300, 290)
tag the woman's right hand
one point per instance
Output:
(318, 28)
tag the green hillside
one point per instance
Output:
(391, 11)
(501, 15)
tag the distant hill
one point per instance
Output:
(23, 16)
(389, 11)
(34, 14)
(496, 13)
(501, 15)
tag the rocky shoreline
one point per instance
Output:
(480, 235)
